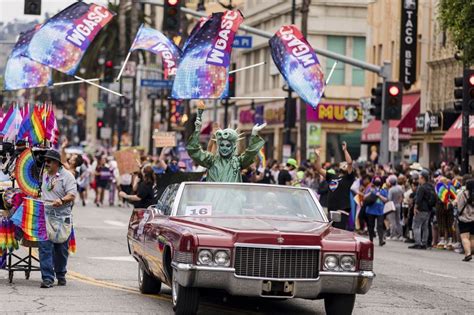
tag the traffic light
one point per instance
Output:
(458, 93)
(232, 82)
(290, 113)
(464, 91)
(468, 88)
(376, 102)
(100, 124)
(32, 7)
(109, 71)
(171, 16)
(393, 105)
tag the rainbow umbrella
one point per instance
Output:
(27, 173)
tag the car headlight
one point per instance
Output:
(222, 258)
(205, 257)
(331, 262)
(347, 263)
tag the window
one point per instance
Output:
(358, 52)
(336, 44)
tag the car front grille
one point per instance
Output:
(277, 263)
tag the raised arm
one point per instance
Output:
(348, 157)
(195, 151)
(317, 163)
(256, 143)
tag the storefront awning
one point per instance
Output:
(452, 138)
(406, 126)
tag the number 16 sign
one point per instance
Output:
(201, 210)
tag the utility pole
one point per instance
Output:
(303, 106)
(287, 136)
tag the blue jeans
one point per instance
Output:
(53, 259)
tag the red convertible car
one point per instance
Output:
(255, 240)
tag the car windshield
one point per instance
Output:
(247, 200)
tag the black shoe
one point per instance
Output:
(422, 247)
(416, 246)
(62, 282)
(83, 203)
(467, 258)
(382, 243)
(46, 285)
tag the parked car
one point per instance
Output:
(255, 240)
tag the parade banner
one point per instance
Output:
(195, 29)
(298, 64)
(21, 72)
(203, 69)
(63, 40)
(155, 42)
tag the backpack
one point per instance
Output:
(432, 197)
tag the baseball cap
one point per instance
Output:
(292, 162)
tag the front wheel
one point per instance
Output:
(185, 299)
(147, 283)
(339, 304)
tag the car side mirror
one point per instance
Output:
(335, 216)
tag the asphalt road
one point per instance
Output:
(102, 279)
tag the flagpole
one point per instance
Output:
(74, 82)
(123, 66)
(97, 85)
(257, 97)
(331, 72)
(248, 67)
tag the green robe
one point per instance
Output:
(222, 169)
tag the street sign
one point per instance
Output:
(242, 41)
(159, 84)
(105, 133)
(393, 139)
(99, 105)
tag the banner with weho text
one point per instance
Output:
(298, 64)
(23, 73)
(62, 41)
(155, 42)
(203, 69)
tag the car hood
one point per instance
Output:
(225, 231)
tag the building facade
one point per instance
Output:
(339, 26)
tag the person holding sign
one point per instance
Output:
(224, 165)
(144, 196)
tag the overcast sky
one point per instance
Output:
(11, 9)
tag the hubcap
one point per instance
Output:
(174, 289)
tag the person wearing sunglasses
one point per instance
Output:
(58, 191)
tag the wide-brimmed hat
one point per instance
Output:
(416, 166)
(52, 155)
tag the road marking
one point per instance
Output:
(439, 274)
(116, 258)
(116, 223)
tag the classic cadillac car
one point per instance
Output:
(255, 240)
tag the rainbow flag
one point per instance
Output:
(442, 192)
(72, 242)
(7, 236)
(38, 133)
(262, 158)
(452, 191)
(30, 218)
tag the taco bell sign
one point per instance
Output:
(408, 38)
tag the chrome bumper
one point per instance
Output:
(224, 278)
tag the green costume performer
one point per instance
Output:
(225, 165)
